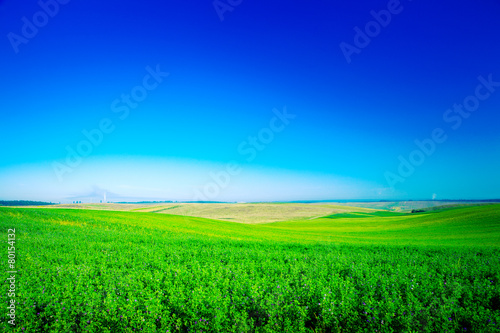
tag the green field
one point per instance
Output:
(244, 213)
(285, 268)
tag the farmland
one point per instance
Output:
(326, 268)
(243, 213)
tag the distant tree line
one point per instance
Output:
(24, 203)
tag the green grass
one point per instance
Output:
(407, 206)
(365, 271)
(362, 215)
(470, 226)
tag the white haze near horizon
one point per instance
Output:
(142, 179)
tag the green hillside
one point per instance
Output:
(470, 226)
(366, 271)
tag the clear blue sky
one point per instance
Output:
(356, 113)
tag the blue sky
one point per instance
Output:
(352, 119)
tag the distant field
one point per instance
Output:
(399, 206)
(269, 212)
(254, 213)
(471, 226)
(347, 270)
(244, 212)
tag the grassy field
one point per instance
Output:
(234, 212)
(335, 269)
(406, 206)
